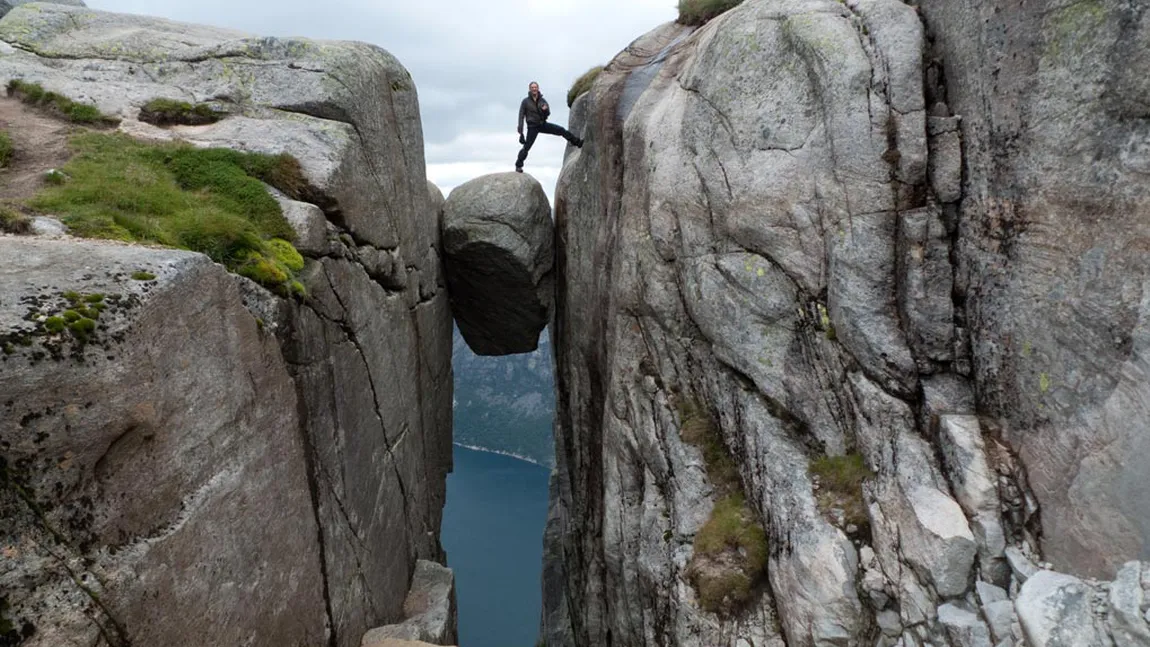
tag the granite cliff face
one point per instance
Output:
(908, 236)
(216, 464)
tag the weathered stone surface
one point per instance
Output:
(1129, 598)
(1053, 260)
(925, 299)
(498, 241)
(1056, 610)
(945, 141)
(369, 350)
(963, 627)
(765, 223)
(728, 237)
(975, 487)
(212, 438)
(309, 224)
(9, 5)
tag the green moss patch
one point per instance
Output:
(730, 550)
(207, 200)
(34, 94)
(583, 84)
(171, 112)
(143, 276)
(14, 222)
(6, 149)
(840, 481)
(730, 557)
(698, 12)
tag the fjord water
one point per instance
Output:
(493, 534)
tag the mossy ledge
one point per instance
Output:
(730, 550)
(34, 94)
(172, 112)
(208, 200)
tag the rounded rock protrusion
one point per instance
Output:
(498, 242)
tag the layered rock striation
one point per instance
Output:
(217, 464)
(857, 233)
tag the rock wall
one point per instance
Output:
(270, 473)
(773, 221)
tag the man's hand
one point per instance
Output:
(522, 139)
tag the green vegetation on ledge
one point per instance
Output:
(34, 94)
(840, 480)
(730, 556)
(171, 112)
(14, 222)
(6, 149)
(698, 12)
(209, 200)
(583, 84)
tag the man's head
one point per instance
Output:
(533, 89)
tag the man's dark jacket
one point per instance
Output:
(535, 111)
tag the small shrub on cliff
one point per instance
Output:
(6, 149)
(840, 480)
(730, 550)
(171, 112)
(583, 84)
(206, 200)
(34, 94)
(698, 12)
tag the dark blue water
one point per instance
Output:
(493, 533)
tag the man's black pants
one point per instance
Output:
(533, 131)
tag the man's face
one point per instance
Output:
(533, 89)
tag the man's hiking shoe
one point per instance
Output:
(518, 169)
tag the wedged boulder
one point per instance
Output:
(498, 241)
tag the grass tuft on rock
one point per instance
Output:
(34, 94)
(172, 112)
(730, 550)
(583, 84)
(14, 222)
(840, 480)
(698, 12)
(207, 200)
(6, 149)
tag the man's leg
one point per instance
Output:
(554, 129)
(532, 133)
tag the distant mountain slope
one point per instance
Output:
(505, 404)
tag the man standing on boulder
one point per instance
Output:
(534, 110)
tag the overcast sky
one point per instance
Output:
(471, 60)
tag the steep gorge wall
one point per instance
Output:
(227, 466)
(773, 220)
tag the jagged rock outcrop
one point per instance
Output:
(429, 610)
(774, 221)
(498, 241)
(307, 476)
